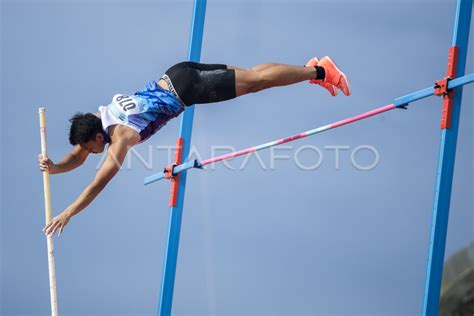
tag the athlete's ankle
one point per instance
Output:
(320, 73)
(317, 72)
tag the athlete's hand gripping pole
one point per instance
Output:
(47, 206)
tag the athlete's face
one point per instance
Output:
(96, 145)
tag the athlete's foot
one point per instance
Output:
(313, 62)
(334, 75)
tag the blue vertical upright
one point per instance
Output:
(447, 153)
(171, 257)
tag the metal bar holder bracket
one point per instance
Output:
(441, 88)
(168, 171)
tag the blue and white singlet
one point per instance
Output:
(146, 111)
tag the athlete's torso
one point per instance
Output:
(146, 111)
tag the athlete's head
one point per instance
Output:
(86, 131)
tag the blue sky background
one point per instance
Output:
(254, 241)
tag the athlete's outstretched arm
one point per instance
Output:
(115, 157)
(72, 160)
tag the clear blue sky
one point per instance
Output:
(254, 241)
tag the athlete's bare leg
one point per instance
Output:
(266, 76)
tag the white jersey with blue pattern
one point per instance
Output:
(146, 111)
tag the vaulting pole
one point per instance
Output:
(48, 213)
(176, 211)
(444, 180)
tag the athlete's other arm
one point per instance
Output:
(115, 156)
(72, 160)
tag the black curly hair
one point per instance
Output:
(84, 127)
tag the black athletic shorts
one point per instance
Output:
(196, 83)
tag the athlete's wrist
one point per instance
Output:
(68, 212)
(53, 168)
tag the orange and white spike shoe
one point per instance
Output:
(313, 62)
(334, 75)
